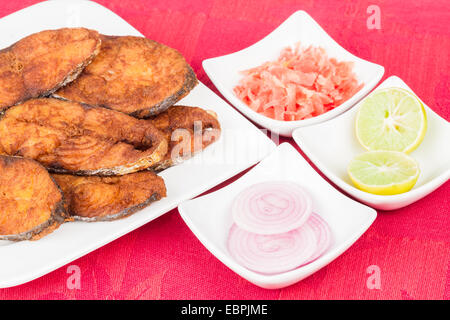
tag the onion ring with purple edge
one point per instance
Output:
(271, 254)
(271, 207)
(323, 235)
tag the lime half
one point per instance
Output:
(391, 119)
(384, 172)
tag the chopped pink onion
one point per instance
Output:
(323, 235)
(271, 207)
(274, 253)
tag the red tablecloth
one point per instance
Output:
(164, 260)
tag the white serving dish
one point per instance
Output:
(27, 260)
(209, 217)
(331, 146)
(299, 27)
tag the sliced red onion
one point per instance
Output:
(274, 253)
(271, 207)
(323, 235)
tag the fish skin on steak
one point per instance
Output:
(31, 203)
(69, 137)
(188, 130)
(133, 75)
(109, 198)
(41, 63)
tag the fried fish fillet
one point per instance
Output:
(69, 137)
(134, 75)
(109, 198)
(31, 204)
(41, 63)
(188, 130)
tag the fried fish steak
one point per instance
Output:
(31, 204)
(134, 75)
(188, 130)
(69, 137)
(41, 63)
(109, 198)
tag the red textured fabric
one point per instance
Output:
(164, 260)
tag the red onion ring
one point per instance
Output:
(323, 235)
(271, 207)
(272, 253)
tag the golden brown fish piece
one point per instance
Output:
(109, 198)
(188, 130)
(41, 63)
(31, 204)
(134, 75)
(69, 137)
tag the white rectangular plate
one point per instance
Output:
(240, 146)
(332, 145)
(347, 219)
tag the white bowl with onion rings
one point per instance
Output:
(209, 217)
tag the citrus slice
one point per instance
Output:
(391, 119)
(384, 172)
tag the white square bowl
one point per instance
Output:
(209, 216)
(26, 260)
(299, 27)
(331, 146)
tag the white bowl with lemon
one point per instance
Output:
(388, 151)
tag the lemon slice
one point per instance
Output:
(384, 172)
(391, 119)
